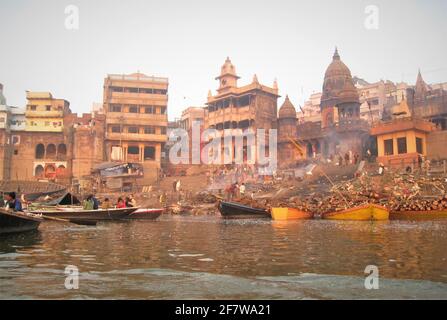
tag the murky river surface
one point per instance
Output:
(209, 258)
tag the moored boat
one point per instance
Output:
(418, 215)
(368, 212)
(145, 214)
(290, 214)
(232, 210)
(13, 222)
(72, 213)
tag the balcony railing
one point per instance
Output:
(44, 114)
(136, 137)
(137, 78)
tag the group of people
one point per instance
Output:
(235, 190)
(92, 203)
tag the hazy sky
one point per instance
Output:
(188, 41)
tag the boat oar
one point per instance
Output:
(75, 221)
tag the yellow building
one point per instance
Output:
(401, 140)
(45, 113)
(135, 106)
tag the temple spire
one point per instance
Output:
(275, 84)
(336, 55)
(255, 79)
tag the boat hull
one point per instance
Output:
(284, 214)
(17, 222)
(231, 210)
(85, 215)
(418, 215)
(145, 214)
(363, 213)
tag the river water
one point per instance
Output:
(210, 258)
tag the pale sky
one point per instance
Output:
(188, 41)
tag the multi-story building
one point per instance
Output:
(191, 115)
(45, 113)
(135, 108)
(41, 144)
(5, 139)
(253, 106)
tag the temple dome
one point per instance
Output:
(338, 86)
(287, 110)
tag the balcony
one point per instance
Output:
(136, 137)
(136, 98)
(44, 114)
(143, 119)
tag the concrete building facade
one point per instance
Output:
(136, 120)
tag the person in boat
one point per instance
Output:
(95, 202)
(12, 203)
(88, 203)
(106, 204)
(132, 201)
(120, 204)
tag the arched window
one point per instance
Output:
(40, 151)
(38, 172)
(62, 150)
(51, 151)
(50, 171)
(60, 172)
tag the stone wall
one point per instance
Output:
(437, 145)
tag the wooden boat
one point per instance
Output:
(13, 222)
(72, 213)
(290, 214)
(418, 215)
(145, 214)
(232, 210)
(368, 212)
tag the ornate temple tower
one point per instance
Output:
(340, 99)
(421, 89)
(228, 77)
(288, 153)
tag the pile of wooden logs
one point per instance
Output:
(418, 204)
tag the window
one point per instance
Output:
(243, 101)
(149, 153)
(16, 152)
(133, 150)
(149, 109)
(38, 172)
(132, 129)
(401, 145)
(162, 110)
(419, 146)
(388, 144)
(116, 129)
(48, 108)
(149, 130)
(51, 151)
(162, 130)
(2, 119)
(62, 150)
(15, 140)
(33, 108)
(133, 109)
(115, 108)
